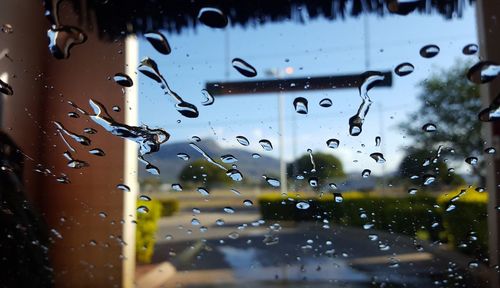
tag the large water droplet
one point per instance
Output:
(272, 181)
(123, 80)
(483, 72)
(97, 152)
(470, 49)
(143, 209)
(123, 187)
(6, 89)
(242, 140)
(313, 182)
(378, 157)
(159, 42)
(429, 179)
(176, 187)
(183, 156)
(209, 99)
(471, 161)
(429, 127)
(203, 191)
(228, 159)
(492, 113)
(326, 102)
(333, 143)
(300, 105)
(244, 68)
(247, 203)
(366, 173)
(212, 17)
(490, 150)
(302, 205)
(229, 210)
(266, 145)
(234, 174)
(429, 51)
(404, 69)
(63, 38)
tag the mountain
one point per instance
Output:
(170, 165)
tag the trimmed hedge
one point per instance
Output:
(146, 228)
(422, 215)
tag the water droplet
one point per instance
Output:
(404, 69)
(63, 38)
(300, 105)
(470, 49)
(244, 68)
(429, 179)
(377, 141)
(313, 181)
(366, 173)
(471, 160)
(272, 181)
(209, 99)
(203, 191)
(97, 152)
(378, 157)
(103, 214)
(212, 17)
(333, 143)
(368, 226)
(451, 207)
(247, 203)
(483, 72)
(266, 145)
(429, 127)
(196, 211)
(195, 222)
(325, 102)
(236, 192)
(256, 155)
(219, 222)
(159, 42)
(177, 187)
(78, 138)
(144, 198)
(73, 115)
(412, 191)
(302, 205)
(492, 113)
(473, 264)
(373, 237)
(333, 186)
(229, 210)
(149, 68)
(338, 198)
(123, 187)
(6, 89)
(228, 159)
(233, 235)
(490, 150)
(429, 51)
(152, 169)
(480, 189)
(183, 156)
(64, 179)
(7, 28)
(242, 140)
(123, 80)
(234, 174)
(143, 209)
(196, 139)
(89, 131)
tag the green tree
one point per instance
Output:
(327, 167)
(424, 162)
(450, 102)
(202, 173)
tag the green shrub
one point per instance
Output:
(146, 228)
(169, 206)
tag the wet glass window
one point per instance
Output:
(338, 143)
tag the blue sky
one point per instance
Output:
(318, 48)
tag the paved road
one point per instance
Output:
(247, 253)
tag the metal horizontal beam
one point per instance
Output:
(291, 84)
